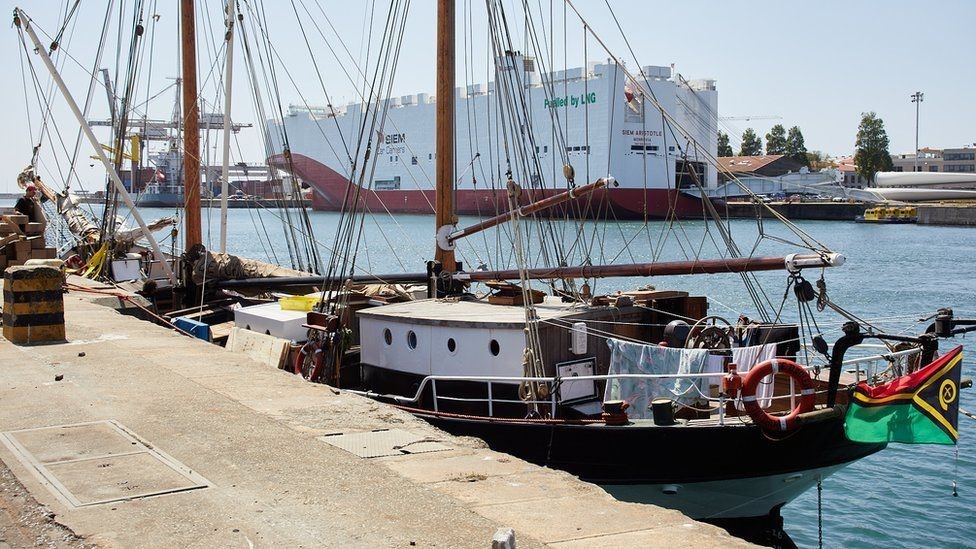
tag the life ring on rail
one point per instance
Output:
(759, 416)
(309, 360)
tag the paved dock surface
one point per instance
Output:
(242, 451)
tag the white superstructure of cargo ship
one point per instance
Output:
(606, 126)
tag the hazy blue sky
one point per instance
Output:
(817, 65)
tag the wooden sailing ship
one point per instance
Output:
(534, 376)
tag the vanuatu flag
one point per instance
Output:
(919, 408)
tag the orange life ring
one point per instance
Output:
(759, 416)
(309, 368)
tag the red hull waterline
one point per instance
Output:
(329, 190)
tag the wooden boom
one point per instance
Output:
(792, 263)
(534, 207)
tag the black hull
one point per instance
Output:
(633, 454)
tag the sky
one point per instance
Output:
(816, 65)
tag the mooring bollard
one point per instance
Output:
(33, 304)
(504, 538)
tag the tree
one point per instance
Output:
(796, 150)
(724, 149)
(871, 148)
(751, 143)
(776, 140)
(819, 160)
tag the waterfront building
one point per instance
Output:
(960, 160)
(929, 160)
(768, 165)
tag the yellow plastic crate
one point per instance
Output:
(298, 302)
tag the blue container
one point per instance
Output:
(195, 327)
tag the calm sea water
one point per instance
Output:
(902, 496)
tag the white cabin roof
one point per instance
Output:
(471, 314)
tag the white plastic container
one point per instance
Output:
(269, 318)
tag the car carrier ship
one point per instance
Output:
(585, 117)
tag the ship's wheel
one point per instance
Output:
(711, 332)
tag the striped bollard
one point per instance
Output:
(33, 304)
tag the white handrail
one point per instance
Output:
(490, 380)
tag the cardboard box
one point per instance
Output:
(3, 262)
(7, 227)
(33, 228)
(37, 242)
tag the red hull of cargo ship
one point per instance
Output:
(330, 188)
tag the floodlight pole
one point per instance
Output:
(917, 99)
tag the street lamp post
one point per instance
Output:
(917, 99)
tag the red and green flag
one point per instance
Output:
(919, 408)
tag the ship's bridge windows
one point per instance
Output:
(413, 160)
(642, 148)
(579, 148)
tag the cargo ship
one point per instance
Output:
(585, 117)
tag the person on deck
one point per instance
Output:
(30, 205)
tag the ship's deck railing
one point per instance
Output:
(491, 400)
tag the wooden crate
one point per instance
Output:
(23, 249)
(16, 219)
(44, 253)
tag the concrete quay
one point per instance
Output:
(824, 211)
(239, 454)
(947, 214)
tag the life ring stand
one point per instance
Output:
(760, 417)
(302, 367)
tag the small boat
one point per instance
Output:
(889, 214)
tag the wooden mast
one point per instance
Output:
(191, 130)
(444, 166)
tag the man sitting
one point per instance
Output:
(30, 205)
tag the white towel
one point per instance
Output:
(747, 357)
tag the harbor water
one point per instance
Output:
(893, 276)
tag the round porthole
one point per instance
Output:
(451, 345)
(388, 336)
(494, 347)
(411, 339)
